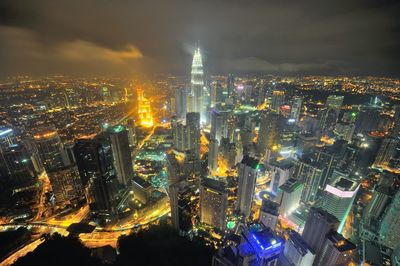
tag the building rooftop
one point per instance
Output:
(340, 243)
(251, 162)
(213, 184)
(271, 207)
(299, 242)
(291, 185)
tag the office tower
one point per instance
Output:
(319, 223)
(312, 174)
(131, 127)
(213, 203)
(280, 171)
(69, 153)
(295, 111)
(389, 233)
(277, 100)
(50, 148)
(344, 131)
(330, 114)
(179, 134)
(290, 196)
(248, 91)
(297, 252)
(213, 155)
(336, 250)
(142, 189)
(181, 96)
(269, 213)
(66, 184)
(218, 94)
(367, 119)
(396, 122)
(247, 172)
(338, 198)
(121, 153)
(269, 132)
(181, 207)
(258, 246)
(7, 137)
(387, 151)
(220, 122)
(16, 166)
(329, 157)
(197, 104)
(95, 164)
(305, 144)
(193, 133)
(230, 84)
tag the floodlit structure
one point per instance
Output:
(144, 110)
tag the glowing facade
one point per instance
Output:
(198, 92)
(144, 110)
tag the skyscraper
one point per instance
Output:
(387, 151)
(50, 148)
(131, 127)
(213, 155)
(269, 132)
(319, 223)
(230, 84)
(336, 250)
(389, 233)
(296, 251)
(280, 171)
(330, 114)
(269, 213)
(213, 203)
(277, 100)
(197, 86)
(181, 97)
(295, 111)
(290, 196)
(181, 206)
(248, 170)
(66, 184)
(193, 133)
(121, 153)
(338, 198)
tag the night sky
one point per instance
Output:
(121, 37)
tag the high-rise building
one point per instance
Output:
(247, 172)
(95, 164)
(344, 131)
(319, 223)
(197, 94)
(258, 246)
(334, 101)
(277, 100)
(269, 132)
(121, 153)
(131, 127)
(220, 118)
(66, 184)
(387, 151)
(336, 250)
(50, 148)
(389, 233)
(290, 196)
(181, 207)
(213, 203)
(295, 111)
(213, 155)
(338, 198)
(181, 96)
(269, 213)
(280, 171)
(193, 133)
(297, 252)
(144, 110)
(7, 137)
(330, 114)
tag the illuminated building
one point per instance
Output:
(319, 223)
(16, 166)
(269, 132)
(213, 203)
(7, 137)
(291, 192)
(131, 127)
(280, 171)
(387, 151)
(277, 100)
(142, 189)
(247, 172)
(295, 110)
(197, 93)
(344, 131)
(330, 115)
(181, 207)
(269, 213)
(230, 85)
(389, 233)
(312, 174)
(181, 96)
(336, 250)
(50, 149)
(339, 197)
(220, 122)
(144, 110)
(179, 134)
(121, 153)
(193, 134)
(305, 144)
(96, 170)
(66, 184)
(367, 119)
(296, 251)
(213, 155)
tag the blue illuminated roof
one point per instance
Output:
(5, 131)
